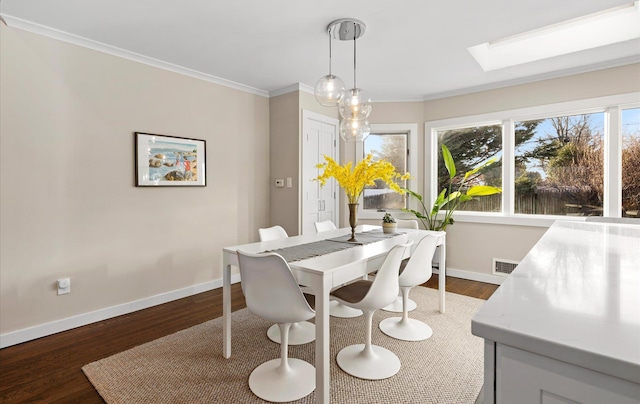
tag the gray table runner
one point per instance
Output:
(317, 248)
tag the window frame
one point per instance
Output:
(411, 130)
(611, 106)
(617, 141)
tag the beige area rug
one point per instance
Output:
(188, 367)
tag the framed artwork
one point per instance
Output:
(169, 161)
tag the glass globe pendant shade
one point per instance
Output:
(354, 130)
(355, 104)
(329, 89)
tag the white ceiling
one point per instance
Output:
(411, 50)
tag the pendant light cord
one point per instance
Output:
(354, 55)
(329, 51)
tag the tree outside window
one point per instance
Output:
(559, 166)
(393, 148)
(469, 148)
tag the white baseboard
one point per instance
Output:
(54, 327)
(42, 330)
(473, 276)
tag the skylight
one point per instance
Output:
(607, 27)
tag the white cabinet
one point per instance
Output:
(526, 378)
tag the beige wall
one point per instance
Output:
(284, 151)
(308, 102)
(69, 207)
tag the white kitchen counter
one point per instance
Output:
(574, 298)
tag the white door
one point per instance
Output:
(319, 138)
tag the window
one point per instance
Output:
(572, 159)
(470, 147)
(393, 148)
(396, 143)
(559, 166)
(630, 162)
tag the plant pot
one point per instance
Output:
(389, 227)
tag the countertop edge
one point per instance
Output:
(586, 359)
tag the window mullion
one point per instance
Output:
(508, 166)
(613, 163)
(432, 147)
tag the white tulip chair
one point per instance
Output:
(368, 361)
(416, 272)
(272, 292)
(299, 333)
(397, 306)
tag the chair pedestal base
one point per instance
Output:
(381, 364)
(270, 383)
(300, 333)
(396, 306)
(407, 330)
(337, 309)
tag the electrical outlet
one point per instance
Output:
(64, 286)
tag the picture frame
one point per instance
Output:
(169, 161)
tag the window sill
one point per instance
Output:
(514, 220)
(375, 215)
(483, 218)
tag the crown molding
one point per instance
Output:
(290, 89)
(397, 99)
(53, 33)
(285, 90)
(307, 89)
(539, 77)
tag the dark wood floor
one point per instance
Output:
(48, 370)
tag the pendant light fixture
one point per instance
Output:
(329, 88)
(354, 105)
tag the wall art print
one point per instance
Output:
(169, 161)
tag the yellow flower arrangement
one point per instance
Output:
(366, 172)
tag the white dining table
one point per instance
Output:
(322, 274)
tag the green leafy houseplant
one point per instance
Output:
(389, 223)
(388, 218)
(449, 198)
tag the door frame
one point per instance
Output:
(329, 121)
